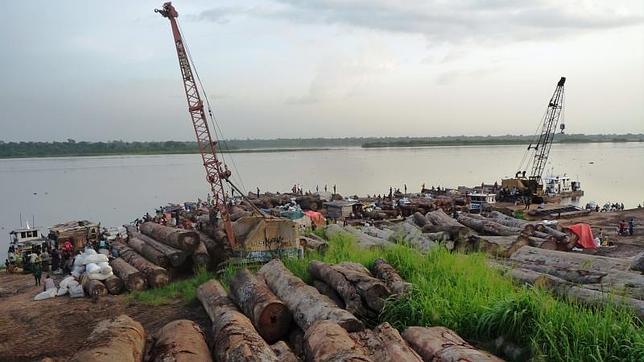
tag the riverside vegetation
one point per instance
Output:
(461, 292)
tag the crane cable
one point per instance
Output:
(527, 151)
(219, 135)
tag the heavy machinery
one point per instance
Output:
(536, 156)
(257, 237)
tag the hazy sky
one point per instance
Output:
(103, 70)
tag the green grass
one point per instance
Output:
(185, 290)
(462, 293)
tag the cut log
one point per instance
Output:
(177, 257)
(314, 244)
(235, 338)
(499, 246)
(305, 303)
(440, 344)
(385, 344)
(347, 291)
(387, 273)
(179, 341)
(216, 250)
(580, 294)
(637, 263)
(326, 289)
(487, 226)
(93, 288)
(562, 259)
(372, 290)
(177, 238)
(577, 276)
(559, 235)
(420, 219)
(155, 275)
(283, 352)
(410, 234)
(120, 339)
(269, 315)
(114, 285)
(296, 340)
(149, 252)
(509, 220)
(364, 240)
(326, 341)
(132, 278)
(439, 217)
(385, 234)
(200, 257)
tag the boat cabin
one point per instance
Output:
(557, 184)
(24, 240)
(481, 201)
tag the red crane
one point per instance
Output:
(216, 171)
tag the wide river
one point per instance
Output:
(116, 189)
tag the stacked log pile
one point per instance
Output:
(119, 339)
(252, 322)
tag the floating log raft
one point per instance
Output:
(177, 257)
(235, 338)
(155, 275)
(326, 341)
(120, 339)
(387, 273)
(179, 341)
(186, 240)
(487, 226)
(114, 285)
(385, 344)
(132, 278)
(305, 303)
(441, 344)
(500, 246)
(148, 251)
(269, 315)
(283, 352)
(93, 288)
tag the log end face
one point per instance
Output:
(274, 322)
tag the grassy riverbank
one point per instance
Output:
(461, 292)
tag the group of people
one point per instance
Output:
(626, 228)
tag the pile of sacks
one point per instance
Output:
(95, 265)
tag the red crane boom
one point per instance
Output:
(216, 171)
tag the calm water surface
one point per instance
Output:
(116, 189)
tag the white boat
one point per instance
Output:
(561, 186)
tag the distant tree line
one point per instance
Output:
(73, 148)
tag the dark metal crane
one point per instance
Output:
(216, 171)
(541, 145)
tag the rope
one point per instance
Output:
(219, 135)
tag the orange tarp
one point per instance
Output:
(585, 235)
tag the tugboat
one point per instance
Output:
(22, 242)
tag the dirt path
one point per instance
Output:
(31, 330)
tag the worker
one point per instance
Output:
(405, 185)
(46, 260)
(621, 228)
(334, 189)
(258, 192)
(631, 226)
(36, 269)
(49, 283)
(55, 260)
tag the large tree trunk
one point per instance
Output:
(364, 240)
(326, 341)
(559, 235)
(440, 344)
(177, 257)
(583, 295)
(487, 226)
(344, 288)
(121, 339)
(132, 278)
(372, 290)
(385, 344)
(235, 338)
(439, 217)
(283, 352)
(562, 259)
(314, 244)
(410, 234)
(114, 285)
(420, 219)
(177, 238)
(149, 252)
(509, 220)
(385, 272)
(155, 275)
(216, 250)
(499, 246)
(93, 288)
(304, 301)
(200, 257)
(179, 341)
(269, 315)
(326, 290)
